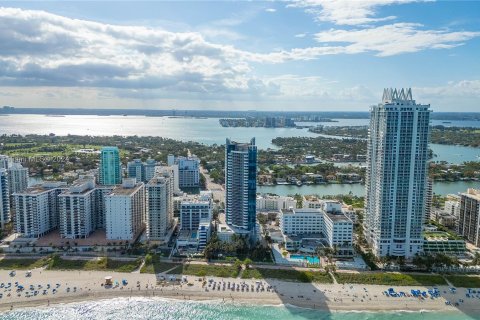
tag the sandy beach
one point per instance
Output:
(74, 286)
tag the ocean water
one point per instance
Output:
(142, 308)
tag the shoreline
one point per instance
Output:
(65, 301)
(326, 297)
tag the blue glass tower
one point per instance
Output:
(241, 185)
(110, 172)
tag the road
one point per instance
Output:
(218, 191)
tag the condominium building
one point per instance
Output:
(17, 178)
(275, 203)
(99, 209)
(76, 206)
(149, 169)
(159, 207)
(469, 222)
(301, 221)
(4, 161)
(327, 226)
(110, 171)
(4, 199)
(453, 207)
(338, 230)
(428, 200)
(188, 170)
(241, 185)
(37, 209)
(142, 171)
(135, 170)
(172, 172)
(125, 211)
(194, 210)
(396, 178)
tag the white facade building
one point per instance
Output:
(194, 210)
(125, 210)
(275, 203)
(172, 172)
(4, 199)
(301, 221)
(159, 207)
(453, 208)
(37, 209)
(332, 227)
(338, 230)
(17, 178)
(396, 177)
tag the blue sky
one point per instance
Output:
(303, 55)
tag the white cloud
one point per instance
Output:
(300, 35)
(43, 49)
(393, 39)
(342, 12)
(271, 10)
(463, 88)
(43, 53)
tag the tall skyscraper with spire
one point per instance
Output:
(396, 174)
(241, 185)
(110, 172)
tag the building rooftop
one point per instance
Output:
(440, 236)
(338, 217)
(300, 211)
(40, 188)
(472, 193)
(122, 191)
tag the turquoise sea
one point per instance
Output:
(141, 308)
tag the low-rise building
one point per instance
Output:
(327, 225)
(193, 241)
(439, 242)
(274, 203)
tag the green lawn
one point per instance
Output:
(22, 264)
(154, 265)
(464, 281)
(95, 264)
(290, 275)
(201, 270)
(398, 279)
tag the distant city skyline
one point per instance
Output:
(309, 55)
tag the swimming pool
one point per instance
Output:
(310, 259)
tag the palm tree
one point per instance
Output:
(476, 259)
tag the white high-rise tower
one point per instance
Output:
(396, 174)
